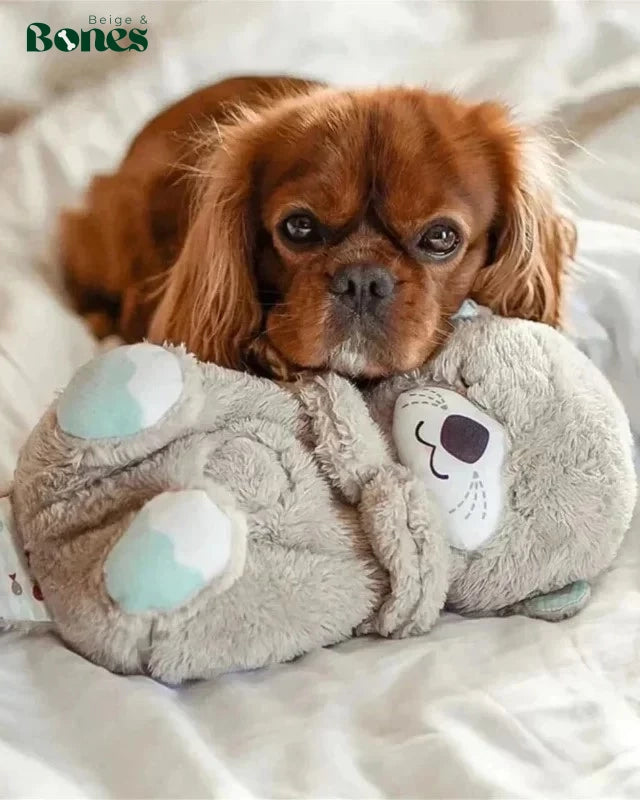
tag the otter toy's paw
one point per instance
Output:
(554, 606)
(178, 544)
(121, 393)
(130, 402)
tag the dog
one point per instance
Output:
(281, 225)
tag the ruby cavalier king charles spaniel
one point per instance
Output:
(280, 225)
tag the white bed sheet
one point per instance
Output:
(479, 708)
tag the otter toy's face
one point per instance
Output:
(458, 450)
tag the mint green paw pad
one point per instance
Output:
(174, 547)
(121, 392)
(558, 605)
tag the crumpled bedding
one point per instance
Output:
(479, 708)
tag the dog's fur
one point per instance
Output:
(185, 241)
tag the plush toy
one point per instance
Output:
(183, 520)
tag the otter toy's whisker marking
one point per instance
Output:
(462, 502)
(484, 499)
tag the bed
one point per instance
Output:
(479, 708)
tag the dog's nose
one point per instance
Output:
(362, 287)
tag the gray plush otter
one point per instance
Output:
(184, 520)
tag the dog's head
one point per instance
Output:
(341, 229)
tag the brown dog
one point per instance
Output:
(287, 225)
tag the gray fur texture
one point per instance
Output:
(333, 537)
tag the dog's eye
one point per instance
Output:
(301, 228)
(440, 240)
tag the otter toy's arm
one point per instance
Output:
(396, 511)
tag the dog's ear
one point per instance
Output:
(210, 301)
(533, 242)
